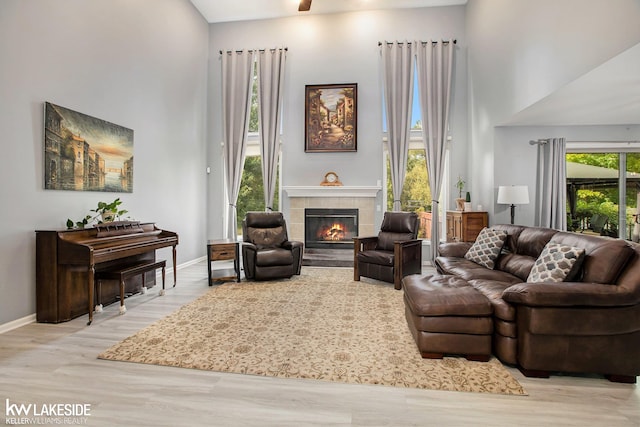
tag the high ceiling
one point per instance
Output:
(607, 95)
(243, 10)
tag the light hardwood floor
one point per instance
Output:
(46, 364)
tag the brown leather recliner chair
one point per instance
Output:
(394, 253)
(267, 252)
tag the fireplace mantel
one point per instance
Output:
(332, 191)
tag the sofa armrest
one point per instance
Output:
(454, 249)
(569, 294)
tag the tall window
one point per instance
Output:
(251, 195)
(603, 189)
(416, 191)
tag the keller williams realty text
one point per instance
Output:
(55, 413)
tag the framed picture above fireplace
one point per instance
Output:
(330, 118)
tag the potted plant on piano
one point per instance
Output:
(109, 212)
(105, 212)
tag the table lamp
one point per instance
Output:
(513, 195)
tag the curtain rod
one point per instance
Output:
(434, 42)
(539, 142)
(253, 50)
(545, 141)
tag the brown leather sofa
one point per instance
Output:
(267, 252)
(588, 325)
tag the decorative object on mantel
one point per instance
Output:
(105, 212)
(330, 118)
(331, 179)
(513, 195)
(460, 200)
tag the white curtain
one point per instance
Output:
(237, 78)
(551, 193)
(271, 63)
(435, 71)
(397, 67)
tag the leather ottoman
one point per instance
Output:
(446, 315)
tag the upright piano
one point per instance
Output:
(67, 260)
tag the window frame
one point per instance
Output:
(622, 148)
(416, 142)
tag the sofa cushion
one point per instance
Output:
(556, 263)
(274, 256)
(487, 247)
(384, 258)
(454, 249)
(521, 249)
(604, 258)
(469, 270)
(493, 290)
(513, 234)
(532, 240)
(518, 265)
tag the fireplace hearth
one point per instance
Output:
(330, 228)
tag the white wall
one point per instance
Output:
(341, 48)
(140, 64)
(520, 52)
(517, 158)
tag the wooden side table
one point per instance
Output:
(223, 250)
(464, 226)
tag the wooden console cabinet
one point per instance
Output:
(465, 226)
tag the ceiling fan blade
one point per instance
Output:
(305, 5)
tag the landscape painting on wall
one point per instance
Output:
(330, 117)
(83, 153)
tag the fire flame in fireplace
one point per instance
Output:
(335, 231)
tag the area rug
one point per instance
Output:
(320, 325)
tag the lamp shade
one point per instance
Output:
(513, 195)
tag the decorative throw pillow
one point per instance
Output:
(556, 263)
(487, 247)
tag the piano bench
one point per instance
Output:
(122, 273)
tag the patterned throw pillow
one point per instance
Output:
(487, 247)
(556, 263)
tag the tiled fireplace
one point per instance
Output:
(330, 228)
(360, 199)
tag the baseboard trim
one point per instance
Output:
(188, 263)
(14, 324)
(31, 318)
